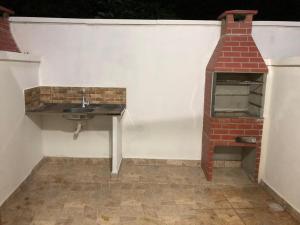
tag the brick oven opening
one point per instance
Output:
(238, 95)
(236, 157)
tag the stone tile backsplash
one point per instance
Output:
(38, 96)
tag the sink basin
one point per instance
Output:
(78, 110)
(77, 116)
(78, 113)
(108, 107)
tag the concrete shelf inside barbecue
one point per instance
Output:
(238, 95)
(236, 157)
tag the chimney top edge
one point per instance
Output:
(237, 12)
(6, 10)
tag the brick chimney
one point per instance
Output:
(236, 50)
(7, 42)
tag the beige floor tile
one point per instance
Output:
(265, 217)
(82, 192)
(247, 197)
(218, 217)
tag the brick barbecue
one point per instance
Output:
(234, 93)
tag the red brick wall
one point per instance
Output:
(207, 153)
(236, 53)
(223, 131)
(7, 42)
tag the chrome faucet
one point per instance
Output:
(84, 102)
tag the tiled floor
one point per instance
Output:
(63, 192)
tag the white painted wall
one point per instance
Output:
(276, 39)
(20, 136)
(92, 142)
(116, 144)
(281, 169)
(161, 63)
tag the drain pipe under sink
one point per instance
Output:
(78, 129)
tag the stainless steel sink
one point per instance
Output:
(73, 116)
(78, 113)
(108, 107)
(78, 110)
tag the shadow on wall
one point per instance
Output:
(94, 140)
(14, 124)
(177, 138)
(20, 146)
(36, 119)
